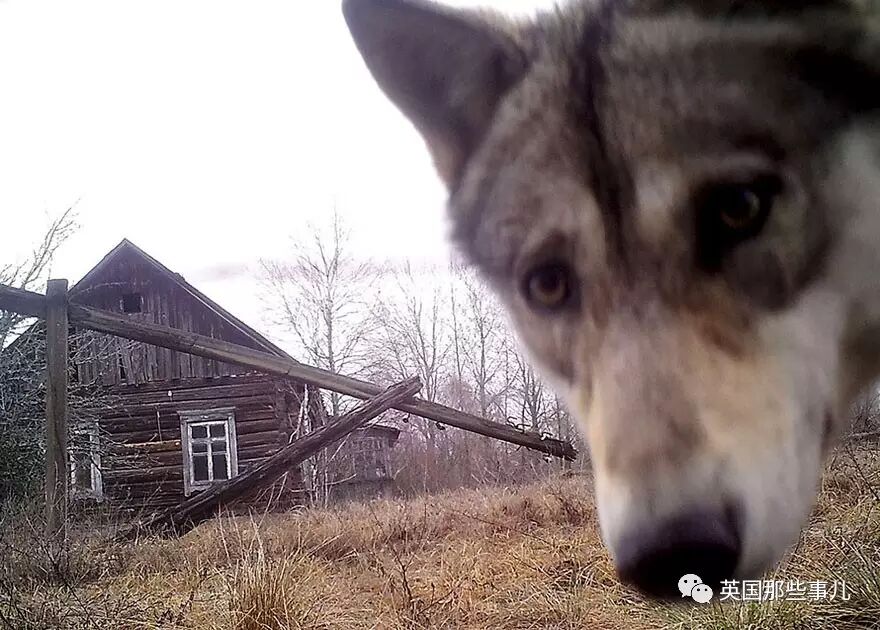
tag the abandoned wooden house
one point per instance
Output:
(174, 424)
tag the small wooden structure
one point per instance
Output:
(206, 412)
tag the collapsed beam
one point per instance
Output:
(34, 305)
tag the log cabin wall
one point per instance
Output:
(143, 456)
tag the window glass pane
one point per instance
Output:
(199, 447)
(200, 468)
(220, 466)
(219, 446)
(218, 430)
(199, 431)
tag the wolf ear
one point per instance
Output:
(446, 70)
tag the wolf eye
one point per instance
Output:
(740, 210)
(729, 213)
(549, 286)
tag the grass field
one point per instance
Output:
(519, 558)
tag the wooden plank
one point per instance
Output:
(113, 324)
(145, 448)
(56, 408)
(124, 350)
(247, 453)
(255, 426)
(181, 518)
(261, 403)
(273, 438)
(153, 488)
(197, 393)
(151, 368)
(93, 357)
(141, 475)
(189, 383)
(147, 435)
(129, 424)
(122, 465)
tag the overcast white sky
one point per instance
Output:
(207, 132)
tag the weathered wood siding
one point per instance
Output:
(106, 360)
(143, 463)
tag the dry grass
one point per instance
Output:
(481, 559)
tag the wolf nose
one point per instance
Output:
(706, 544)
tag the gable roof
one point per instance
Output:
(126, 247)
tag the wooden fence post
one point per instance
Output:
(56, 408)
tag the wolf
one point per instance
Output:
(678, 204)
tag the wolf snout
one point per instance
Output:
(704, 542)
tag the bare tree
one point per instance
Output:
(413, 332)
(532, 399)
(413, 339)
(31, 271)
(319, 297)
(482, 342)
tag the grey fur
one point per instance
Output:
(698, 367)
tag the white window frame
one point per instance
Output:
(96, 486)
(203, 417)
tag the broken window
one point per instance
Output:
(208, 446)
(132, 303)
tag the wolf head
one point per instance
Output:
(678, 202)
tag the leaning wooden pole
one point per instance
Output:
(56, 408)
(180, 518)
(33, 304)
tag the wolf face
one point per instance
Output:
(677, 202)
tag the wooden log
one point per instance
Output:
(57, 495)
(191, 394)
(154, 488)
(144, 472)
(143, 462)
(254, 402)
(273, 438)
(22, 302)
(208, 347)
(145, 448)
(181, 518)
(187, 384)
